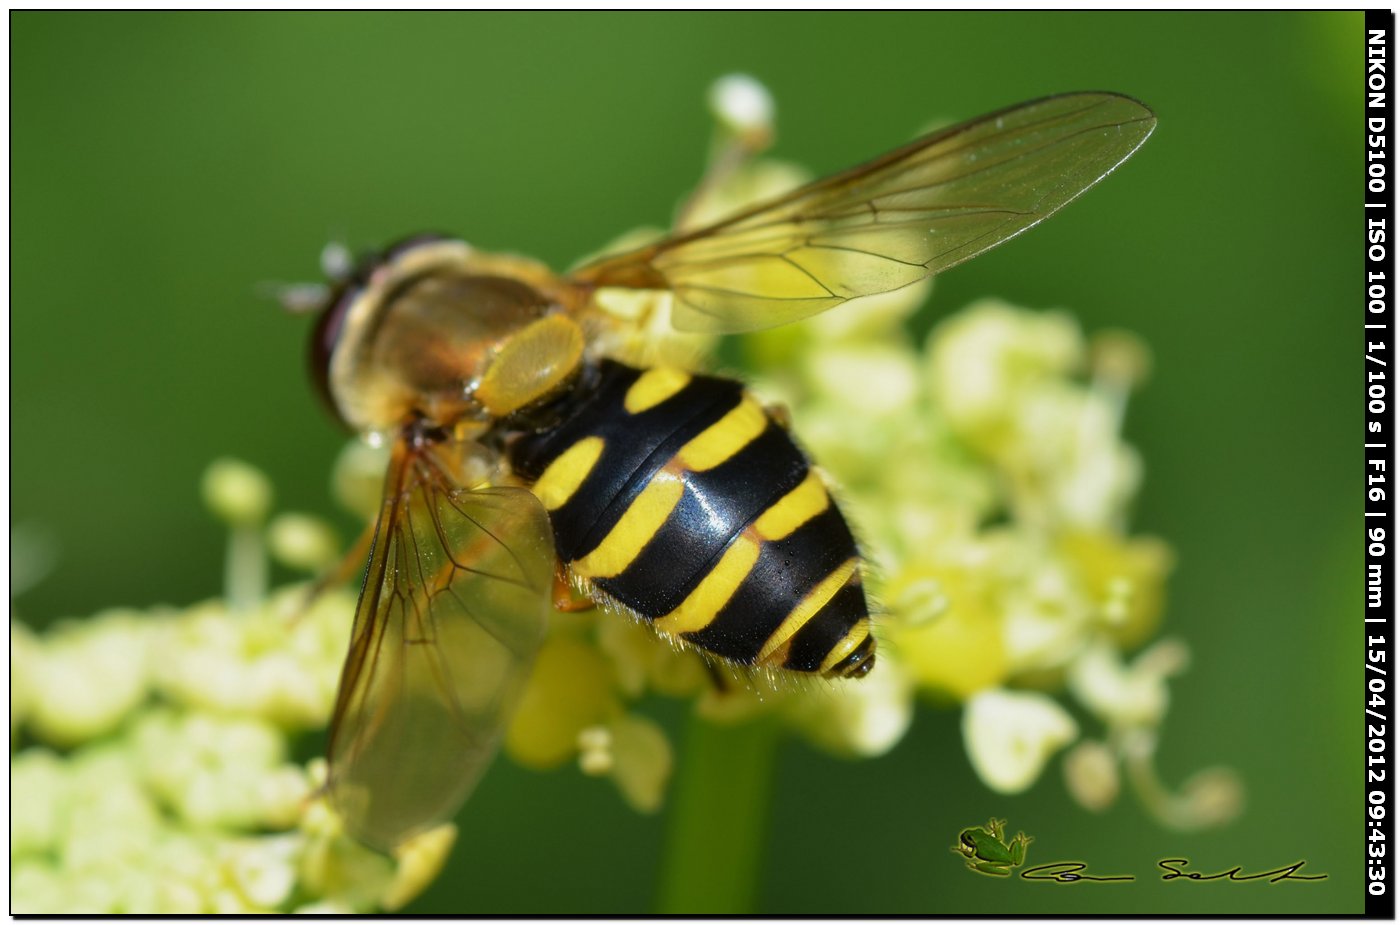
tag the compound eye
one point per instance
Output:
(369, 275)
(326, 334)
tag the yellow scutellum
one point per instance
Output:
(984, 472)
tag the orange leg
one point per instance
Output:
(566, 599)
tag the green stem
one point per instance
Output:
(718, 819)
(245, 570)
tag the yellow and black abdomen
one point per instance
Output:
(681, 498)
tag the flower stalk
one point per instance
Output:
(718, 820)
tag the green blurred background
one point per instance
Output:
(164, 165)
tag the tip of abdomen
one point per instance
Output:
(857, 663)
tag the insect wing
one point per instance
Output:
(914, 212)
(452, 612)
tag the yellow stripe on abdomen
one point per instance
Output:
(858, 634)
(815, 600)
(564, 476)
(714, 590)
(634, 529)
(724, 438)
(794, 509)
(653, 387)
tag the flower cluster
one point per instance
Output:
(990, 480)
(158, 775)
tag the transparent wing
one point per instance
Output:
(913, 212)
(452, 611)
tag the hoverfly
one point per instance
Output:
(520, 452)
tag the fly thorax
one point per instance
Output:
(447, 344)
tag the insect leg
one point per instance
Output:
(717, 677)
(566, 598)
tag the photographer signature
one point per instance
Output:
(988, 851)
(1175, 869)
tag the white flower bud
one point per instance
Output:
(35, 888)
(88, 676)
(357, 479)
(1213, 797)
(302, 542)
(742, 106)
(1091, 774)
(236, 492)
(1011, 735)
(38, 802)
(864, 717)
(1120, 357)
(25, 652)
(1123, 696)
(595, 751)
(642, 761)
(869, 379)
(264, 869)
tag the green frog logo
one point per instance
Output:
(987, 850)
